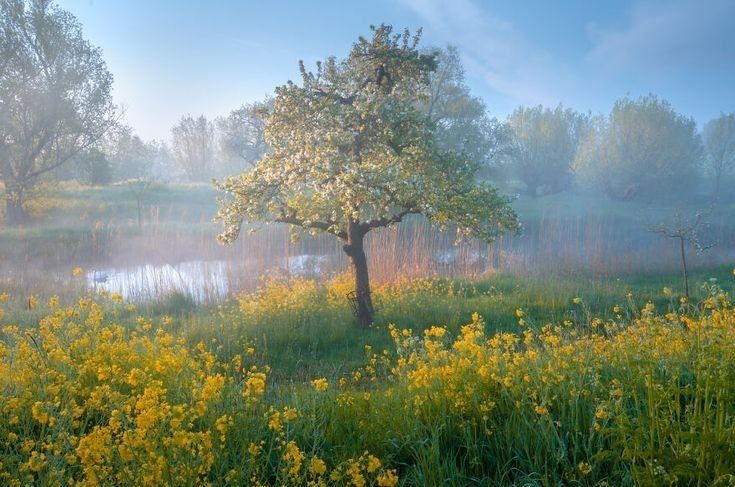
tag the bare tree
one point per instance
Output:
(193, 146)
(55, 95)
(686, 230)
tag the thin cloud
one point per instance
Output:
(668, 35)
(496, 51)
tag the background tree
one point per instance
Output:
(352, 152)
(90, 166)
(544, 144)
(55, 98)
(685, 231)
(719, 144)
(643, 149)
(462, 121)
(242, 137)
(130, 157)
(194, 147)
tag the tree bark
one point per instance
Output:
(684, 266)
(14, 212)
(356, 251)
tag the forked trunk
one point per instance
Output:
(361, 298)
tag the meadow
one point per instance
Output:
(489, 371)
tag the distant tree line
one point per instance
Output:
(643, 149)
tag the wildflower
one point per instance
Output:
(254, 385)
(274, 423)
(320, 385)
(317, 466)
(53, 302)
(584, 468)
(387, 479)
(373, 464)
(32, 302)
(519, 313)
(540, 410)
(616, 309)
(683, 300)
(212, 387)
(667, 291)
(254, 449)
(295, 457)
(38, 413)
(576, 300)
(289, 414)
(77, 271)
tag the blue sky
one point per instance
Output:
(170, 58)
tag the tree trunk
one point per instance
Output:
(684, 266)
(356, 251)
(14, 212)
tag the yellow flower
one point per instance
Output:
(53, 302)
(254, 449)
(77, 271)
(32, 302)
(275, 423)
(317, 466)
(388, 479)
(667, 291)
(519, 313)
(212, 387)
(373, 464)
(576, 300)
(254, 385)
(289, 414)
(38, 414)
(683, 300)
(540, 410)
(585, 468)
(320, 385)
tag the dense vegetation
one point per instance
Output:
(634, 392)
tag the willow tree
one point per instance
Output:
(352, 151)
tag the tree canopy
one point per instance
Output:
(644, 148)
(719, 144)
(351, 151)
(55, 95)
(544, 144)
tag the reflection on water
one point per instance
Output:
(202, 280)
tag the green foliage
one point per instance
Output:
(462, 121)
(55, 95)
(544, 143)
(643, 149)
(350, 146)
(719, 144)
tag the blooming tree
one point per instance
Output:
(351, 151)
